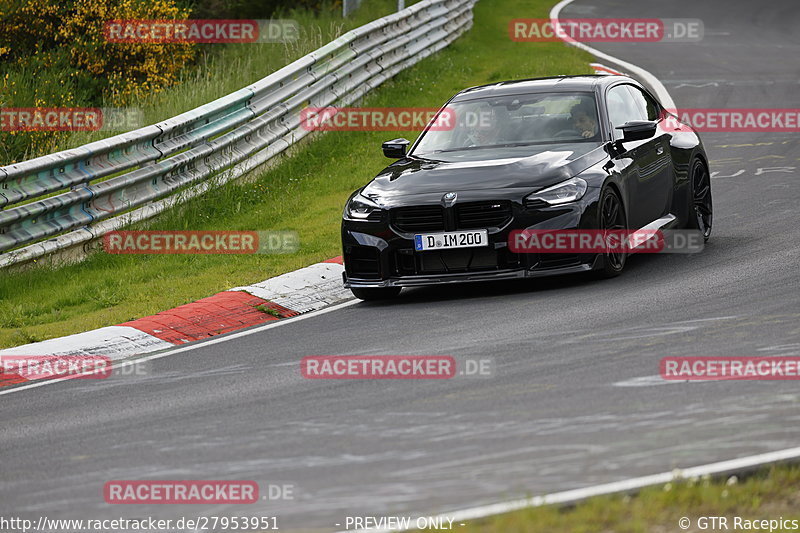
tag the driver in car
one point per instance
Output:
(483, 126)
(582, 116)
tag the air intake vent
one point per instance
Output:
(418, 218)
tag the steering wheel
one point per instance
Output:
(567, 134)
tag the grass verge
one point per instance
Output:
(304, 193)
(769, 494)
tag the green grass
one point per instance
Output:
(304, 193)
(771, 493)
(268, 310)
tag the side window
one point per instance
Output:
(621, 108)
(647, 106)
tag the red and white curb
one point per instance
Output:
(304, 290)
(604, 70)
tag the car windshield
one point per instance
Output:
(511, 121)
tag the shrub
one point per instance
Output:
(54, 54)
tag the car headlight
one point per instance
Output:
(360, 208)
(571, 190)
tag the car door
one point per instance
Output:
(655, 184)
(641, 164)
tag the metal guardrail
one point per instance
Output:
(145, 171)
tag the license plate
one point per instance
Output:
(451, 239)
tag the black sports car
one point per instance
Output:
(569, 152)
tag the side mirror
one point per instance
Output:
(396, 148)
(637, 130)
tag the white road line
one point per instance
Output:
(652, 81)
(194, 346)
(657, 380)
(572, 496)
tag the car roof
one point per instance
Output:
(553, 83)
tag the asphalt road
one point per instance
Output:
(574, 399)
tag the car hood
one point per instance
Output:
(539, 167)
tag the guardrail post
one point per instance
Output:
(348, 6)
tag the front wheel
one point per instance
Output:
(377, 293)
(701, 208)
(612, 218)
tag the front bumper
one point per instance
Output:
(466, 277)
(378, 254)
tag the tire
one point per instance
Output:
(701, 206)
(373, 294)
(611, 218)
